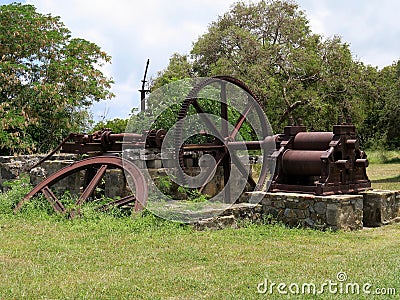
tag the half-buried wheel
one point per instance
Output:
(96, 167)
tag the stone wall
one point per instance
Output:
(380, 207)
(321, 212)
(233, 217)
(337, 212)
(12, 166)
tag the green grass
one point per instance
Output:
(147, 258)
(384, 176)
(383, 156)
(46, 256)
(384, 169)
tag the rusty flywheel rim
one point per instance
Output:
(103, 163)
(191, 100)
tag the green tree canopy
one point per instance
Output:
(47, 79)
(116, 125)
(293, 71)
(382, 120)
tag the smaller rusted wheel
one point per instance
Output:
(96, 167)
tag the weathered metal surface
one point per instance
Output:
(310, 162)
(101, 163)
(312, 140)
(321, 163)
(302, 163)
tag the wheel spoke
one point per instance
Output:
(208, 122)
(57, 205)
(218, 159)
(92, 185)
(131, 170)
(224, 110)
(226, 163)
(118, 203)
(241, 120)
(242, 169)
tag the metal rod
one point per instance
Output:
(241, 120)
(92, 185)
(143, 91)
(224, 111)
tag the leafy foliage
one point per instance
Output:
(293, 71)
(179, 68)
(116, 125)
(47, 79)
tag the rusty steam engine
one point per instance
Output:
(320, 163)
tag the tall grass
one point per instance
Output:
(383, 156)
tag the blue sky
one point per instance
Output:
(133, 31)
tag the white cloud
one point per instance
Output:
(370, 27)
(133, 31)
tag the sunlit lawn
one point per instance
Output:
(150, 259)
(103, 257)
(384, 176)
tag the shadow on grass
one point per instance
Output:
(394, 160)
(386, 180)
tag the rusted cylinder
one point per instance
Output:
(127, 137)
(269, 141)
(312, 140)
(302, 163)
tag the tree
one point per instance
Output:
(47, 79)
(179, 67)
(382, 121)
(294, 72)
(116, 125)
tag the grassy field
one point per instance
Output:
(384, 169)
(45, 256)
(147, 258)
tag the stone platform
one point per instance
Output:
(337, 212)
(321, 212)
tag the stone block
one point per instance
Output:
(320, 212)
(154, 163)
(115, 184)
(301, 213)
(332, 214)
(215, 223)
(320, 208)
(252, 197)
(71, 183)
(232, 216)
(380, 207)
